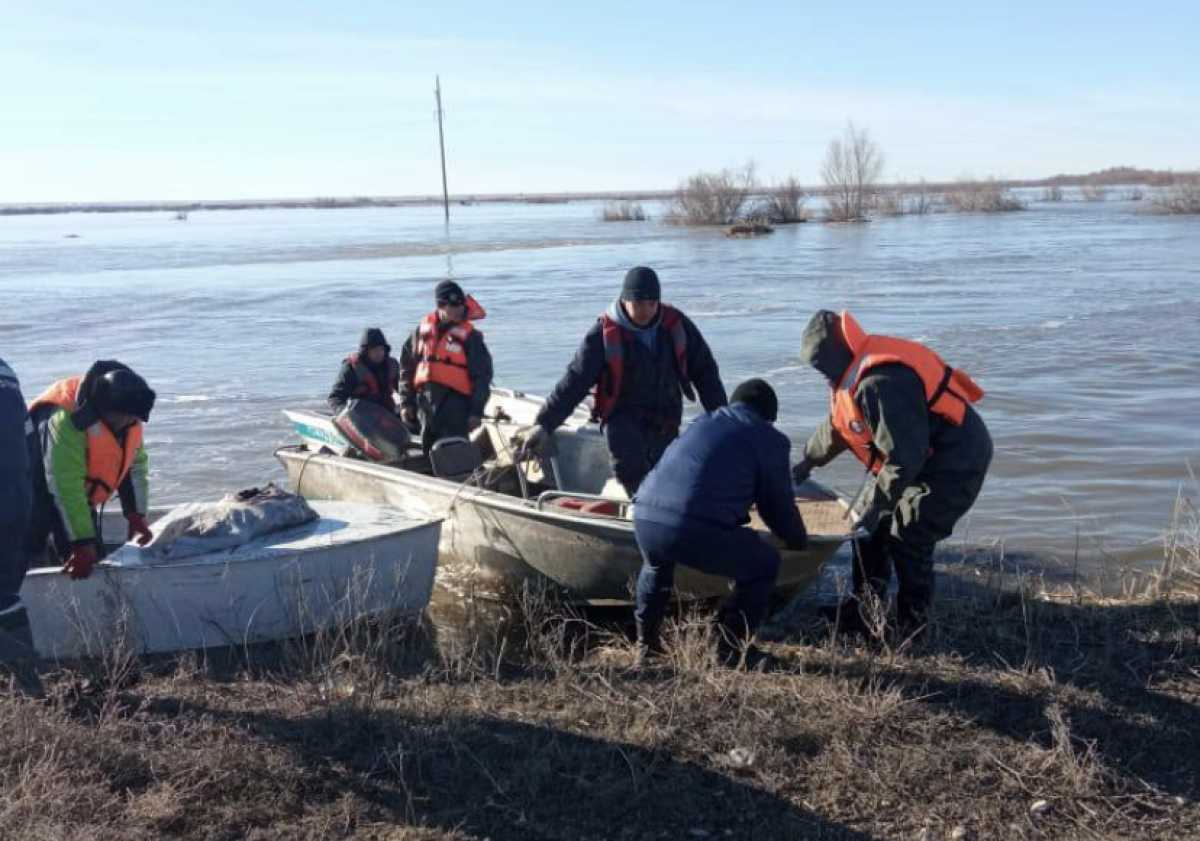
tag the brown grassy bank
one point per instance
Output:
(1020, 716)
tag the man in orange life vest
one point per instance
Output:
(370, 374)
(640, 356)
(86, 445)
(907, 416)
(445, 368)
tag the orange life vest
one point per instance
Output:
(368, 383)
(442, 352)
(608, 390)
(108, 461)
(948, 391)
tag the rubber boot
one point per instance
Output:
(846, 617)
(17, 654)
(912, 619)
(649, 642)
(735, 644)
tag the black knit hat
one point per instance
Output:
(111, 386)
(449, 292)
(373, 337)
(641, 284)
(759, 396)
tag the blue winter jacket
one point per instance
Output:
(725, 462)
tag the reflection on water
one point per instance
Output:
(1079, 319)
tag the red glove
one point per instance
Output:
(81, 560)
(139, 528)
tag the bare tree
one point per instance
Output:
(713, 198)
(853, 163)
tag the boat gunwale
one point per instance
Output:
(495, 499)
(226, 560)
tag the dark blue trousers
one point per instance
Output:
(737, 553)
(635, 444)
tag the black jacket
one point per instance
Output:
(347, 381)
(15, 487)
(650, 382)
(479, 369)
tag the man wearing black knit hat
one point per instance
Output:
(639, 360)
(693, 509)
(445, 368)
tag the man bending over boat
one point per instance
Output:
(370, 374)
(86, 447)
(639, 359)
(693, 509)
(907, 416)
(446, 368)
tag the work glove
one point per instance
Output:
(81, 560)
(139, 528)
(537, 439)
(473, 423)
(802, 471)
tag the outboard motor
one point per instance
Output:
(377, 433)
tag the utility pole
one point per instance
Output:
(437, 90)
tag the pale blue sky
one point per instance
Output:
(217, 99)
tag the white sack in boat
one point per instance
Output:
(198, 528)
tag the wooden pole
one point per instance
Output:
(442, 146)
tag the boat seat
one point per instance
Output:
(454, 458)
(600, 507)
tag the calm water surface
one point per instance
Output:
(1080, 321)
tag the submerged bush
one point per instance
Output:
(624, 211)
(713, 198)
(905, 201)
(1182, 198)
(782, 204)
(982, 197)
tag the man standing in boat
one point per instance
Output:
(694, 507)
(86, 447)
(639, 359)
(908, 417)
(370, 374)
(15, 495)
(446, 368)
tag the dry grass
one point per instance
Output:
(624, 211)
(1022, 714)
(982, 197)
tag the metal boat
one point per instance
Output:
(354, 561)
(557, 523)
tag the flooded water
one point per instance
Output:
(1079, 319)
